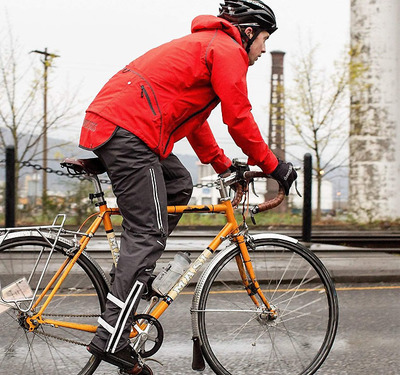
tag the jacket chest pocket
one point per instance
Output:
(144, 94)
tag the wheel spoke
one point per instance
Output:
(239, 338)
(49, 349)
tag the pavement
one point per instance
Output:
(352, 264)
(345, 264)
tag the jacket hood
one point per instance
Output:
(202, 23)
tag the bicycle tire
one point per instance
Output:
(85, 289)
(237, 339)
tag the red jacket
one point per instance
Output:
(169, 92)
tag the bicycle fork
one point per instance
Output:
(263, 309)
(249, 279)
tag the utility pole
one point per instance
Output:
(48, 57)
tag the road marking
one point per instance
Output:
(342, 289)
(389, 287)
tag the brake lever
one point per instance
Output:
(251, 183)
(253, 219)
(297, 190)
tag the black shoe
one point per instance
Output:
(146, 370)
(125, 358)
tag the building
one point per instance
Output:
(206, 193)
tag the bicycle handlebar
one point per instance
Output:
(267, 205)
(93, 166)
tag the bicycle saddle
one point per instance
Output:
(84, 166)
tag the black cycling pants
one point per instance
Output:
(143, 186)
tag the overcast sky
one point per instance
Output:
(96, 38)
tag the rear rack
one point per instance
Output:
(21, 288)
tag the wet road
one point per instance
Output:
(367, 340)
(366, 343)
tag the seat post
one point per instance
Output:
(98, 191)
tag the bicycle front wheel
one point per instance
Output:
(238, 338)
(48, 349)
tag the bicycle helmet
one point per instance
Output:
(249, 13)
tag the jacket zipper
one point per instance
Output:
(144, 91)
(126, 69)
(157, 202)
(187, 119)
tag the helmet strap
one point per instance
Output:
(246, 39)
(250, 42)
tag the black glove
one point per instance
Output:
(285, 174)
(236, 166)
(230, 170)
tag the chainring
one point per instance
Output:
(149, 331)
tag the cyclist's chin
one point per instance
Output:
(252, 60)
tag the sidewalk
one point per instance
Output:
(347, 264)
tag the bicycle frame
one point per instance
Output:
(231, 230)
(48, 322)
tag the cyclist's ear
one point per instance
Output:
(249, 32)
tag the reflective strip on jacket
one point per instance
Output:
(169, 92)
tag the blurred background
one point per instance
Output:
(328, 86)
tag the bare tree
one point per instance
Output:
(317, 110)
(21, 106)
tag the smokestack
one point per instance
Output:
(276, 133)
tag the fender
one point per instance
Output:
(32, 233)
(18, 236)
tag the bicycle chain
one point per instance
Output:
(75, 315)
(62, 338)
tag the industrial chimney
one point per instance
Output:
(276, 134)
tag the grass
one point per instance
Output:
(264, 219)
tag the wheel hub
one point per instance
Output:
(267, 317)
(26, 322)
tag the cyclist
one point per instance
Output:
(132, 125)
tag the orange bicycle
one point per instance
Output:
(264, 304)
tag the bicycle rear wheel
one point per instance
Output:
(237, 338)
(48, 349)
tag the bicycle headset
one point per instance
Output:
(249, 13)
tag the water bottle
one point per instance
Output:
(168, 277)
